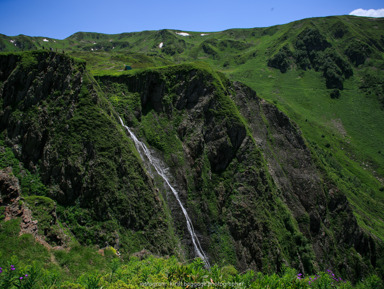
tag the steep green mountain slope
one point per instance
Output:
(59, 125)
(292, 175)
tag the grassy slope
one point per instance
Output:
(83, 267)
(345, 134)
(94, 121)
(69, 266)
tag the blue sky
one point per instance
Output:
(60, 19)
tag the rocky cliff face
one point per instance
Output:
(254, 190)
(42, 225)
(322, 212)
(58, 124)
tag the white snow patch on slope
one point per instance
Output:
(183, 33)
(161, 45)
(12, 41)
(45, 40)
(203, 34)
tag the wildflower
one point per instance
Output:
(26, 275)
(21, 278)
(299, 276)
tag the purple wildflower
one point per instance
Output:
(299, 276)
(26, 275)
(21, 278)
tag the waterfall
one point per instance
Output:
(161, 171)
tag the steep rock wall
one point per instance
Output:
(256, 193)
(59, 125)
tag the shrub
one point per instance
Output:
(358, 52)
(335, 93)
(281, 59)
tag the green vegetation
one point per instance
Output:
(30, 183)
(62, 138)
(101, 171)
(85, 268)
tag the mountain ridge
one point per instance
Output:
(266, 183)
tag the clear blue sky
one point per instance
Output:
(60, 19)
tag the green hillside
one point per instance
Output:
(273, 137)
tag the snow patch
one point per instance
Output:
(91, 49)
(12, 41)
(183, 33)
(45, 40)
(161, 45)
(203, 34)
(94, 43)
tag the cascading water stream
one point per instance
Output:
(156, 163)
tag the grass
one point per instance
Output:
(301, 94)
(81, 268)
(344, 134)
(337, 129)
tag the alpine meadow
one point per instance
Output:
(246, 158)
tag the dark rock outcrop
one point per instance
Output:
(254, 191)
(248, 171)
(10, 194)
(58, 123)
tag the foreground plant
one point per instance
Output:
(154, 272)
